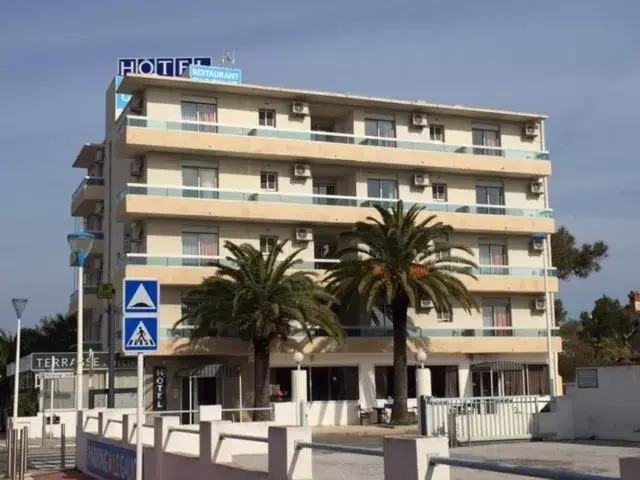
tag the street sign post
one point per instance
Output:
(140, 302)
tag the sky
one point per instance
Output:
(575, 60)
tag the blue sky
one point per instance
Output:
(574, 60)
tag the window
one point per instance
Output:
(379, 128)
(198, 244)
(200, 178)
(490, 194)
(508, 380)
(538, 379)
(436, 133)
(384, 381)
(324, 250)
(334, 383)
(201, 113)
(487, 136)
(496, 317)
(379, 188)
(267, 242)
(439, 192)
(266, 117)
(443, 314)
(324, 190)
(269, 181)
(493, 256)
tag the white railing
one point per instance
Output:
(330, 137)
(205, 193)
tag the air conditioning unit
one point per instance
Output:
(539, 304)
(99, 208)
(301, 170)
(426, 303)
(537, 245)
(136, 232)
(137, 167)
(536, 187)
(531, 129)
(96, 264)
(99, 157)
(135, 104)
(300, 108)
(304, 234)
(420, 180)
(419, 120)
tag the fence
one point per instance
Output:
(478, 419)
(17, 452)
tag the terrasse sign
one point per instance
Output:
(66, 361)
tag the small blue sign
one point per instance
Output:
(122, 99)
(140, 296)
(215, 74)
(164, 66)
(140, 334)
(110, 462)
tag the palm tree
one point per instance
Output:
(256, 297)
(399, 260)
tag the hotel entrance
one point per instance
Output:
(196, 391)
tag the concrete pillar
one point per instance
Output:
(210, 413)
(423, 386)
(129, 428)
(285, 462)
(465, 387)
(630, 468)
(407, 457)
(299, 394)
(367, 388)
(212, 449)
(161, 427)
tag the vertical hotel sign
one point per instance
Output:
(163, 66)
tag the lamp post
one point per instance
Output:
(80, 244)
(299, 388)
(19, 304)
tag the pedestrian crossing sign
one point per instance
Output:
(140, 334)
(141, 296)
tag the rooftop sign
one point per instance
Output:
(215, 74)
(164, 66)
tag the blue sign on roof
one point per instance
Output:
(215, 74)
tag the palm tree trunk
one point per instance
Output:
(399, 307)
(261, 350)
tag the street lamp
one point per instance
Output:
(298, 357)
(421, 356)
(80, 244)
(19, 304)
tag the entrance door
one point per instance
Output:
(196, 391)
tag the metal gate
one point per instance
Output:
(483, 419)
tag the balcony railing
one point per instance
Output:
(87, 181)
(207, 128)
(387, 332)
(313, 199)
(88, 290)
(314, 264)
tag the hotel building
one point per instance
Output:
(189, 165)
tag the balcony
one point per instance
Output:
(86, 195)
(189, 270)
(141, 200)
(368, 339)
(90, 300)
(141, 134)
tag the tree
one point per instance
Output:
(256, 297)
(398, 260)
(572, 261)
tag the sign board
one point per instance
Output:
(105, 291)
(110, 462)
(55, 375)
(140, 334)
(215, 74)
(159, 388)
(163, 66)
(140, 296)
(66, 361)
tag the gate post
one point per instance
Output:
(63, 447)
(25, 451)
(10, 452)
(18, 458)
(422, 409)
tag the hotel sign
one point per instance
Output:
(164, 66)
